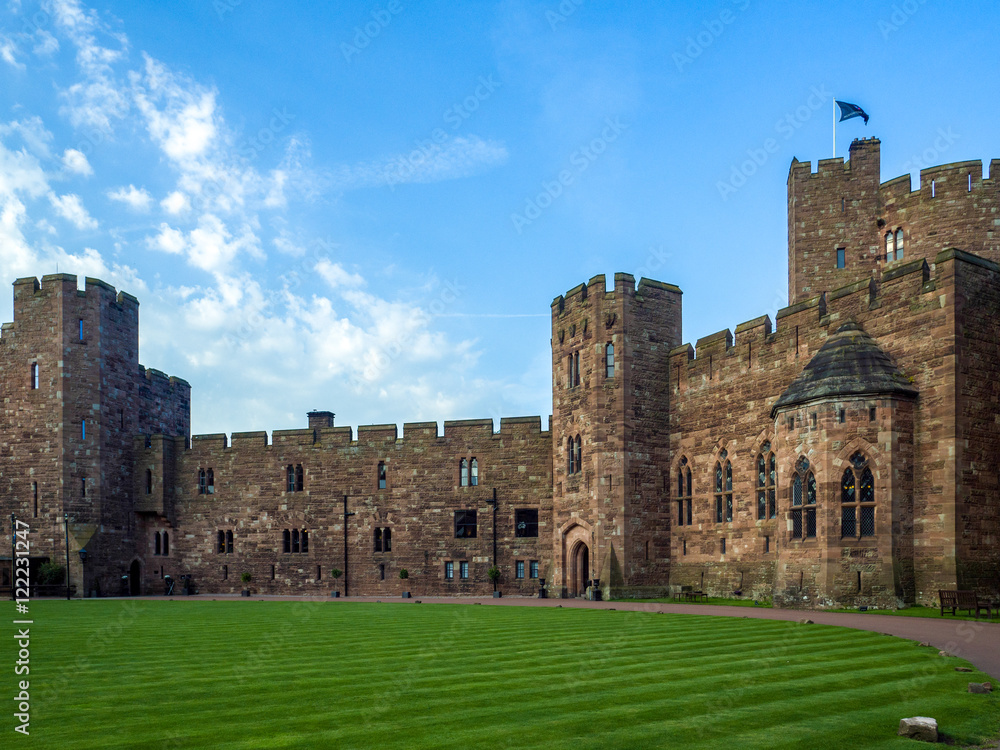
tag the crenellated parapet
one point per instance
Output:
(801, 328)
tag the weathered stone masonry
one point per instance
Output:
(848, 453)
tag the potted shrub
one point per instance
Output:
(246, 577)
(336, 573)
(50, 575)
(494, 575)
(403, 575)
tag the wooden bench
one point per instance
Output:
(967, 600)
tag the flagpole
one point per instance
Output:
(835, 127)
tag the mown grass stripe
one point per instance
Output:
(275, 674)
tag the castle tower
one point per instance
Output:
(74, 395)
(609, 432)
(832, 221)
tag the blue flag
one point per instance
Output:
(847, 111)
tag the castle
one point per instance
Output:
(847, 454)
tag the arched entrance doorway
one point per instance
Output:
(579, 569)
(134, 578)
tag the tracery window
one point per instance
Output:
(684, 515)
(857, 498)
(766, 481)
(723, 488)
(803, 508)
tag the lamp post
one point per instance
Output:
(493, 502)
(66, 523)
(83, 572)
(346, 516)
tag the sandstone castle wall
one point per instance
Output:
(601, 498)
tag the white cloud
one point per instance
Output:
(76, 161)
(45, 44)
(169, 240)
(8, 51)
(176, 203)
(70, 207)
(213, 248)
(179, 114)
(98, 99)
(32, 133)
(136, 198)
(335, 275)
(449, 160)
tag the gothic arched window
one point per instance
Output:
(857, 499)
(766, 481)
(803, 507)
(723, 489)
(684, 515)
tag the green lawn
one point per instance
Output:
(766, 603)
(178, 674)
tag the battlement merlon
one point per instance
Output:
(161, 379)
(60, 287)
(864, 160)
(625, 285)
(900, 284)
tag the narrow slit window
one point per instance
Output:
(286, 541)
(841, 257)
(229, 542)
(221, 542)
(210, 482)
(166, 543)
(149, 482)
(576, 368)
(463, 473)
(34, 376)
(156, 543)
(81, 329)
(34, 493)
(305, 541)
(609, 359)
(378, 540)
(299, 478)
(474, 473)
(381, 475)
(387, 540)
(290, 477)
(295, 541)
(83, 429)
(899, 244)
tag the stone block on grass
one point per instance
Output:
(919, 728)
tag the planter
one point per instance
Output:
(406, 594)
(335, 594)
(497, 594)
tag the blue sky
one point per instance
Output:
(368, 207)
